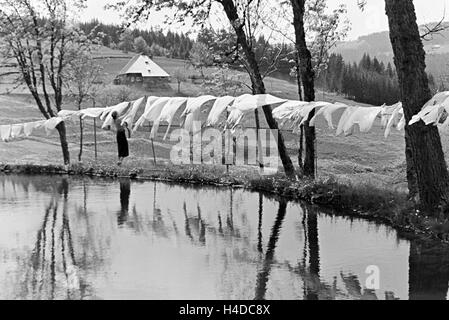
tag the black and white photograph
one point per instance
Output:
(251, 152)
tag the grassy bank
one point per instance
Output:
(333, 197)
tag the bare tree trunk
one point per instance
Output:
(301, 137)
(259, 143)
(257, 80)
(411, 171)
(425, 144)
(80, 155)
(64, 145)
(313, 241)
(264, 275)
(298, 77)
(308, 83)
(309, 158)
(301, 149)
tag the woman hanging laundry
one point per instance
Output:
(122, 141)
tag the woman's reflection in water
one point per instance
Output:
(125, 193)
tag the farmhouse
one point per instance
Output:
(142, 71)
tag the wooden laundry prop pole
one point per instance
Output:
(258, 144)
(316, 157)
(154, 152)
(94, 104)
(153, 149)
(259, 229)
(225, 144)
(192, 156)
(80, 155)
(95, 139)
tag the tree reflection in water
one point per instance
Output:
(70, 245)
(55, 270)
(259, 227)
(264, 274)
(195, 227)
(428, 271)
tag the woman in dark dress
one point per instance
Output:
(122, 141)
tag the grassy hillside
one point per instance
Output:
(363, 158)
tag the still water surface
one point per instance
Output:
(70, 238)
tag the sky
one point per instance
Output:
(371, 20)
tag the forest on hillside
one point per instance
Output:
(371, 80)
(169, 44)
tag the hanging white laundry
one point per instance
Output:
(237, 111)
(152, 112)
(238, 102)
(105, 112)
(434, 116)
(67, 114)
(363, 117)
(309, 108)
(51, 124)
(429, 115)
(252, 102)
(92, 113)
(194, 104)
(28, 128)
(235, 118)
(246, 104)
(402, 123)
(16, 131)
(387, 112)
(120, 109)
(288, 110)
(445, 125)
(327, 112)
(217, 110)
(394, 120)
(169, 112)
(438, 99)
(297, 116)
(159, 107)
(192, 114)
(172, 107)
(132, 113)
(192, 122)
(5, 132)
(296, 113)
(344, 118)
(147, 112)
(433, 110)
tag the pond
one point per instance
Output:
(74, 238)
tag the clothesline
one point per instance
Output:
(22, 130)
(290, 113)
